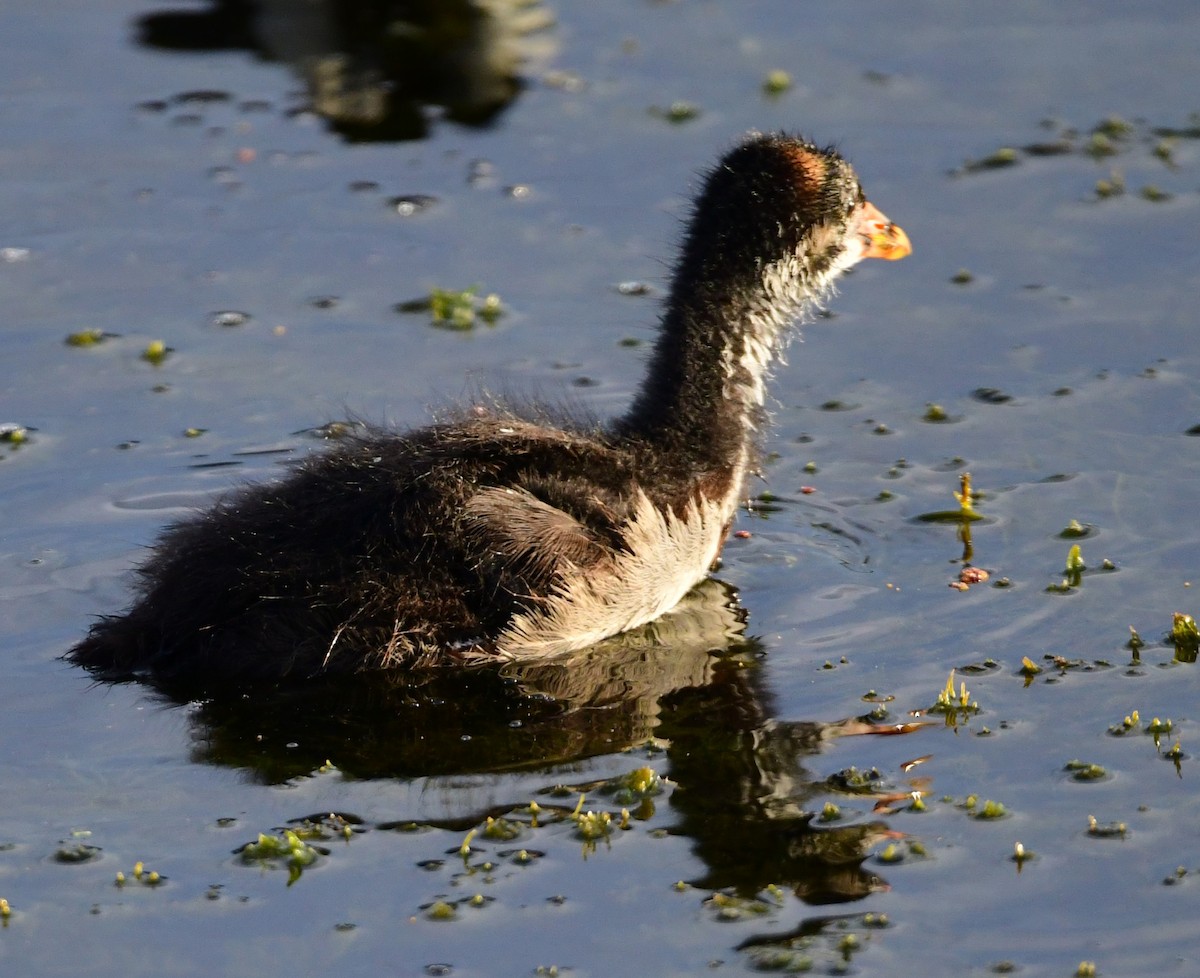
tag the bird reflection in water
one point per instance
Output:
(475, 738)
(377, 70)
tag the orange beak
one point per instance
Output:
(884, 239)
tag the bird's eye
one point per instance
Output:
(853, 199)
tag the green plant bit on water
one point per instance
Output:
(1075, 565)
(1154, 194)
(1186, 637)
(991, 809)
(1158, 728)
(891, 854)
(954, 706)
(677, 112)
(965, 513)
(456, 310)
(1114, 186)
(87, 337)
(1006, 156)
(1086, 969)
(1114, 830)
(156, 352)
(441, 910)
(1084, 771)
(777, 82)
(287, 848)
(1131, 722)
(1074, 530)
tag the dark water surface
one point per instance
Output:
(157, 172)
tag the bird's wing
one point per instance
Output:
(530, 532)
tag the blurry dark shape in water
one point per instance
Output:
(372, 67)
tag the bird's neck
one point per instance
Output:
(705, 389)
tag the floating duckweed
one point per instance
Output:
(679, 111)
(965, 513)
(13, 434)
(1075, 565)
(501, 828)
(935, 413)
(777, 82)
(490, 308)
(1086, 969)
(917, 804)
(1114, 830)
(1131, 722)
(1100, 146)
(952, 705)
(962, 277)
(891, 854)
(680, 886)
(730, 906)
(194, 432)
(1114, 186)
(830, 812)
(1114, 127)
(87, 337)
(156, 352)
(1074, 530)
(287, 848)
(78, 852)
(1029, 667)
(1186, 637)
(456, 310)
(1154, 194)
(1084, 771)
(1003, 157)
(991, 809)
(593, 825)
(1158, 728)
(464, 850)
(441, 910)
(1021, 854)
(852, 779)
(5, 909)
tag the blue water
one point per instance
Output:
(144, 221)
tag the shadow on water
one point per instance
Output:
(689, 680)
(374, 69)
